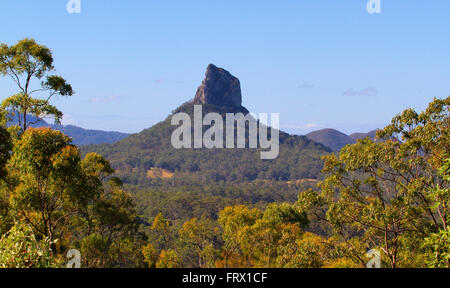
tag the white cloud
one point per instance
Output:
(68, 119)
(104, 99)
(161, 80)
(366, 92)
(302, 126)
(306, 86)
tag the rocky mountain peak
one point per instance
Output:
(219, 88)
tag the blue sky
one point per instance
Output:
(319, 63)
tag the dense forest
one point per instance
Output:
(310, 208)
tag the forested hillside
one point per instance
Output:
(331, 138)
(336, 140)
(133, 157)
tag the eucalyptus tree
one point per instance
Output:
(26, 63)
(389, 194)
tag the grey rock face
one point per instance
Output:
(219, 88)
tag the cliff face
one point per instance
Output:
(219, 88)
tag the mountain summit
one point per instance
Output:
(219, 88)
(137, 156)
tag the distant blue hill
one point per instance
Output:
(80, 136)
(336, 140)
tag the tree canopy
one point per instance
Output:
(389, 194)
(25, 63)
